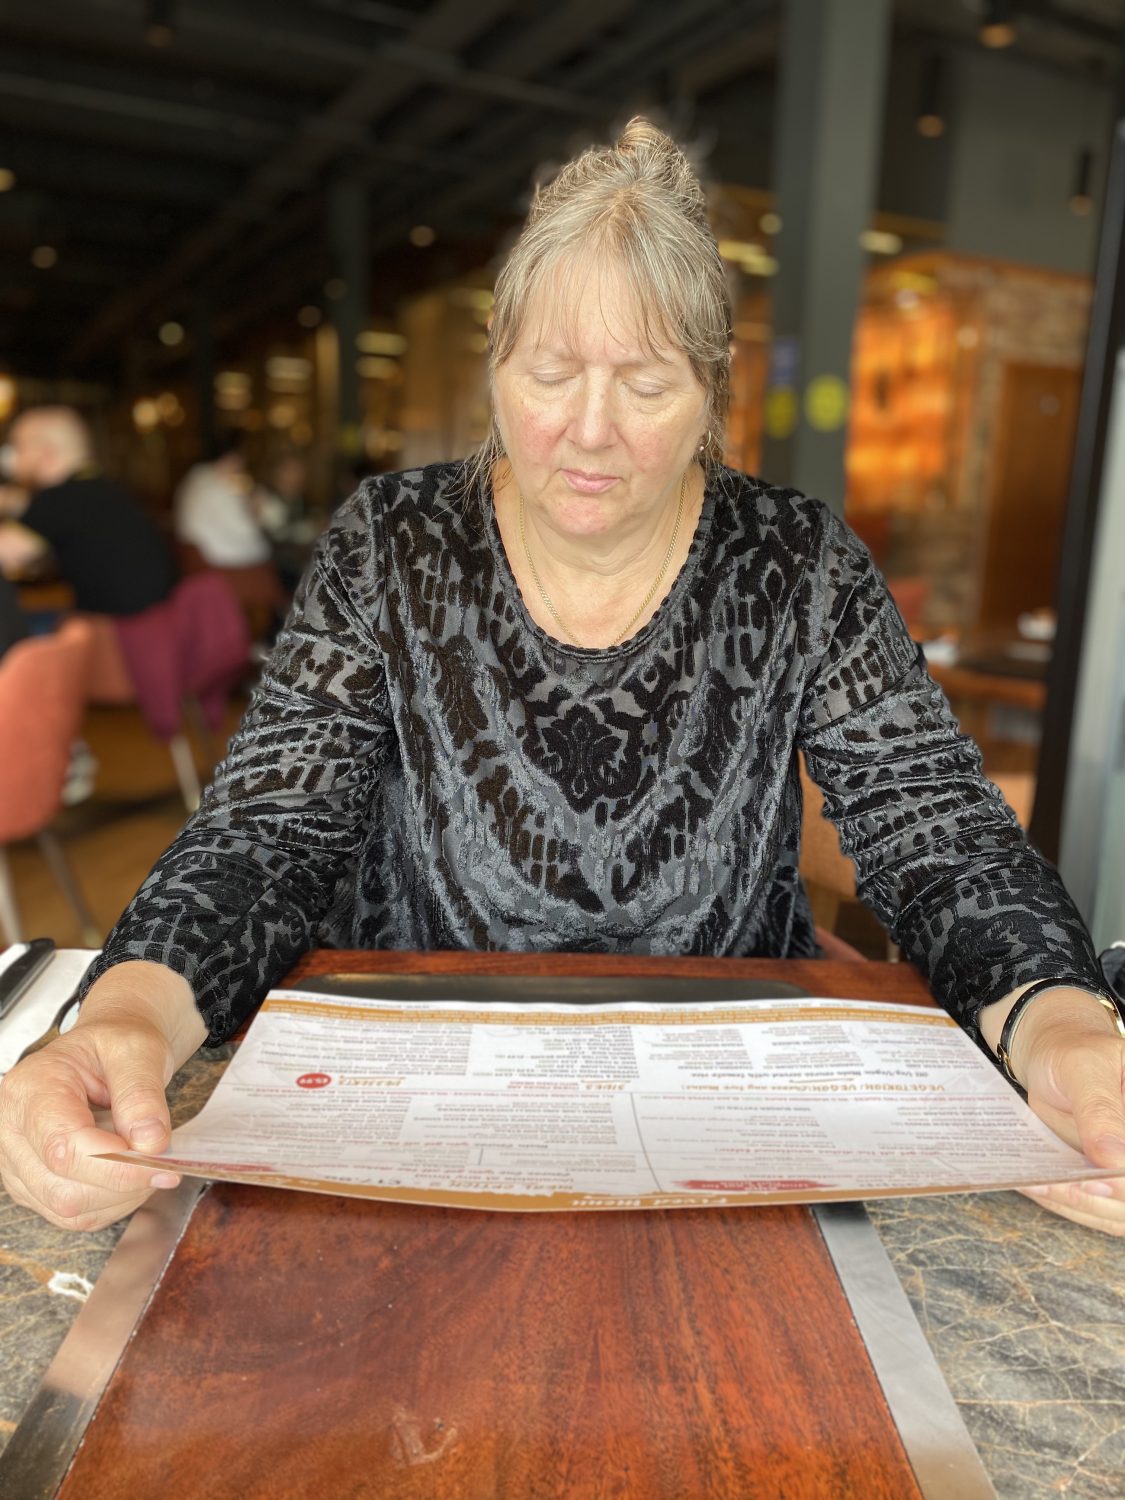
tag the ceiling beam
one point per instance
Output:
(66, 166)
(657, 43)
(670, 37)
(550, 38)
(39, 216)
(447, 26)
(142, 110)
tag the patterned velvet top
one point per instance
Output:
(422, 766)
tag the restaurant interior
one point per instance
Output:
(273, 231)
(288, 228)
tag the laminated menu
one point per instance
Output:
(548, 1106)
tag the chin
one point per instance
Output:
(584, 515)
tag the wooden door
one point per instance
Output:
(1037, 418)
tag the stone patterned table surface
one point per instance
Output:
(1025, 1313)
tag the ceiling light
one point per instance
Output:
(770, 223)
(477, 297)
(171, 334)
(232, 390)
(881, 242)
(374, 341)
(288, 367)
(282, 416)
(931, 121)
(7, 179)
(43, 257)
(1080, 200)
(158, 23)
(309, 316)
(749, 257)
(996, 27)
(422, 235)
(146, 416)
(375, 367)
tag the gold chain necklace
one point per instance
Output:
(567, 632)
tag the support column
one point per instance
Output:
(348, 301)
(203, 370)
(827, 150)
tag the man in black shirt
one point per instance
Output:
(106, 547)
(13, 622)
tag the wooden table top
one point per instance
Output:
(303, 1345)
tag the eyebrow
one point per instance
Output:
(559, 351)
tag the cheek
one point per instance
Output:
(657, 446)
(531, 428)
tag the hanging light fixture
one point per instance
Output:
(997, 28)
(1080, 200)
(931, 121)
(159, 27)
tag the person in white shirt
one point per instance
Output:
(215, 511)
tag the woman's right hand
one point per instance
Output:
(137, 1025)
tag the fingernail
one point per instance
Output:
(1098, 1189)
(146, 1133)
(1042, 1187)
(165, 1180)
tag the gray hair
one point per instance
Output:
(640, 204)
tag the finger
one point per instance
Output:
(1091, 1080)
(90, 1185)
(1091, 1212)
(50, 1103)
(95, 1216)
(135, 1081)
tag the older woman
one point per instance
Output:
(553, 699)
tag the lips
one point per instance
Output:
(586, 483)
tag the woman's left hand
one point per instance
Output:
(1072, 1061)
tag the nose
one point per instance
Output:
(592, 419)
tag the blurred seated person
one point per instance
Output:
(215, 510)
(284, 513)
(218, 527)
(281, 501)
(13, 621)
(105, 546)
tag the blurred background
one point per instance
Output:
(253, 246)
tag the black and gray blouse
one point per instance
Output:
(422, 766)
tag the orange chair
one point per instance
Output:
(42, 699)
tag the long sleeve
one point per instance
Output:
(235, 900)
(939, 856)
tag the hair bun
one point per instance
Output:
(654, 155)
(640, 135)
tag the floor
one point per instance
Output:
(113, 838)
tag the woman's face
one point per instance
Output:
(599, 428)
